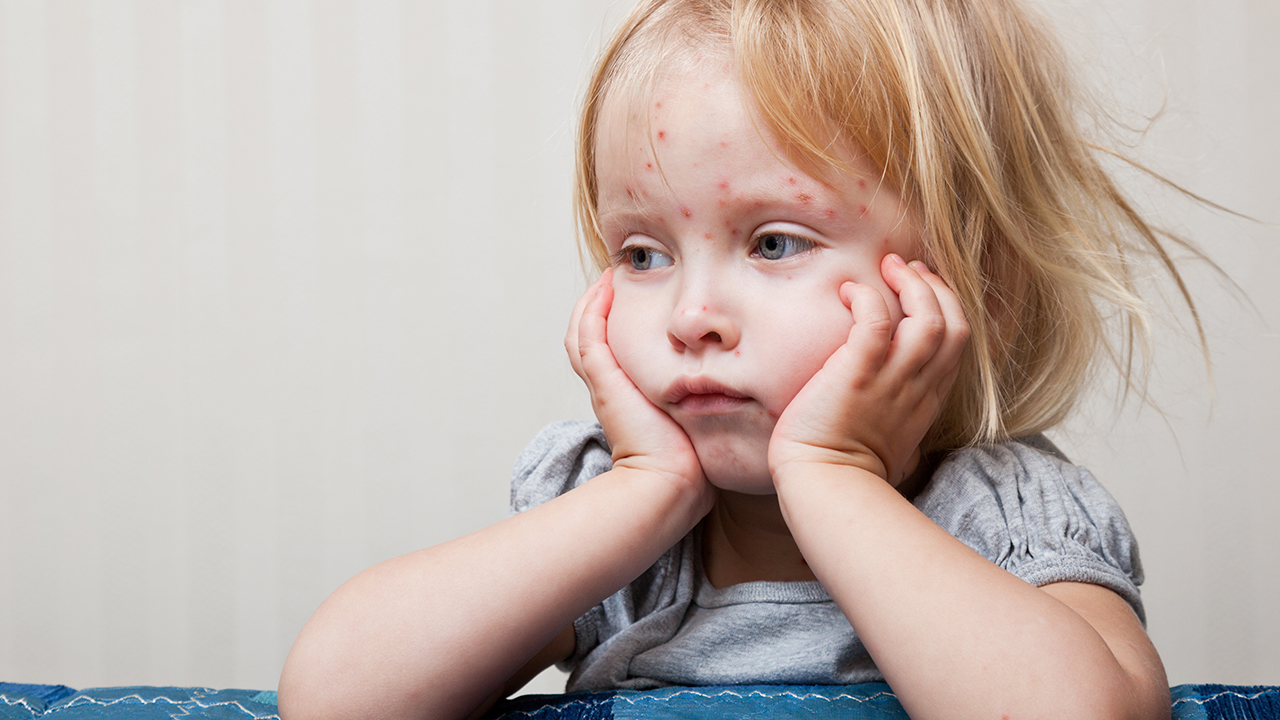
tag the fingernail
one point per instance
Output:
(919, 266)
(897, 258)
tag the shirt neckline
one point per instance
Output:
(791, 592)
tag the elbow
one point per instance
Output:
(302, 694)
(1149, 701)
(320, 682)
(1135, 698)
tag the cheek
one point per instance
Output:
(634, 335)
(802, 340)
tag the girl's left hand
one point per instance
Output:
(877, 395)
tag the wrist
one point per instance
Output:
(798, 472)
(678, 492)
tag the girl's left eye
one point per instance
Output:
(775, 246)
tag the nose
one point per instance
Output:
(702, 320)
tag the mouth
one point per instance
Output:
(703, 396)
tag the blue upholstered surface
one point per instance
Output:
(872, 701)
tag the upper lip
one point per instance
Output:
(686, 386)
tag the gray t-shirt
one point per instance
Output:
(1024, 509)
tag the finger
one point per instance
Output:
(598, 363)
(923, 326)
(946, 360)
(872, 325)
(575, 318)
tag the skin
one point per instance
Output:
(742, 261)
(820, 371)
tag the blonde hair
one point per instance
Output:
(968, 107)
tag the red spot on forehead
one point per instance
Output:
(724, 143)
(662, 134)
(804, 197)
(658, 104)
(791, 179)
(862, 210)
(649, 165)
(862, 183)
(724, 184)
(831, 212)
(687, 212)
(706, 235)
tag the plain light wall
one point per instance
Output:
(283, 287)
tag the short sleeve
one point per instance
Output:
(1037, 516)
(561, 457)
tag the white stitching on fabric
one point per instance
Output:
(1242, 696)
(19, 701)
(183, 705)
(540, 708)
(634, 700)
(758, 694)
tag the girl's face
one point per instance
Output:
(729, 262)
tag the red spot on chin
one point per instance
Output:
(657, 104)
(737, 352)
(687, 212)
(662, 134)
(706, 235)
(724, 143)
(649, 165)
(831, 212)
(804, 197)
(704, 308)
(791, 180)
(734, 231)
(724, 184)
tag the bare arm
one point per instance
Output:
(440, 632)
(954, 635)
(434, 633)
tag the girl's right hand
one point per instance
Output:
(640, 435)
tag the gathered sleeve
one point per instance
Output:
(1037, 516)
(561, 457)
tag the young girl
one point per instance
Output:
(856, 256)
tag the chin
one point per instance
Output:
(737, 464)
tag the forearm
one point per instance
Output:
(433, 633)
(953, 634)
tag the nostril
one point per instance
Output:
(712, 337)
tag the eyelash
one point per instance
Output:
(627, 254)
(801, 244)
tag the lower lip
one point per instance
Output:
(711, 404)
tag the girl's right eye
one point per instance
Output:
(643, 258)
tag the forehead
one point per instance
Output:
(681, 124)
(689, 118)
(664, 88)
(698, 88)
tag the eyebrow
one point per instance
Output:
(626, 217)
